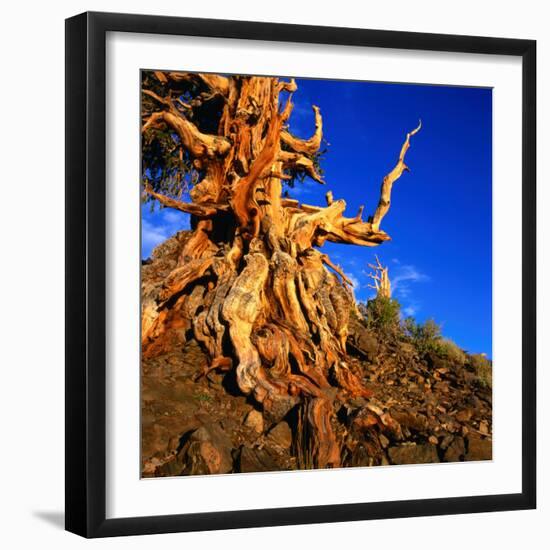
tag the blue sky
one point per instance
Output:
(440, 219)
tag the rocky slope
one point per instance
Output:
(425, 408)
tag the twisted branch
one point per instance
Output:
(306, 146)
(390, 179)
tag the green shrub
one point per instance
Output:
(425, 337)
(449, 350)
(483, 369)
(381, 314)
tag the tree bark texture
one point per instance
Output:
(251, 284)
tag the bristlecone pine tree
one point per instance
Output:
(251, 282)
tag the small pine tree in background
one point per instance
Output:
(382, 314)
(426, 337)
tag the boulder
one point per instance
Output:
(256, 460)
(360, 457)
(455, 451)
(435, 361)
(255, 420)
(479, 449)
(362, 340)
(207, 451)
(413, 454)
(464, 415)
(411, 419)
(279, 409)
(280, 436)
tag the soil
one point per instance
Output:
(424, 409)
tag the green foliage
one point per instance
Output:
(299, 175)
(203, 397)
(425, 337)
(449, 350)
(483, 369)
(382, 314)
(166, 166)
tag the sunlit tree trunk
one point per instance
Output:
(251, 282)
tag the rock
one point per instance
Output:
(368, 344)
(279, 409)
(447, 440)
(365, 419)
(392, 426)
(255, 420)
(464, 415)
(425, 408)
(170, 468)
(357, 402)
(413, 454)
(455, 451)
(469, 377)
(280, 435)
(256, 460)
(479, 449)
(411, 419)
(208, 451)
(363, 341)
(484, 427)
(407, 348)
(229, 424)
(435, 361)
(360, 457)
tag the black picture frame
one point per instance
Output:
(86, 275)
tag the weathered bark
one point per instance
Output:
(268, 304)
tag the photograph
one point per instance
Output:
(316, 273)
(292, 275)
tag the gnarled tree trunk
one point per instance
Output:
(251, 282)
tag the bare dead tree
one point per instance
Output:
(381, 279)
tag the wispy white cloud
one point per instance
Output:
(305, 188)
(356, 283)
(403, 276)
(172, 217)
(152, 235)
(403, 280)
(409, 311)
(159, 226)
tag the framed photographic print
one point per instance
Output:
(300, 274)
